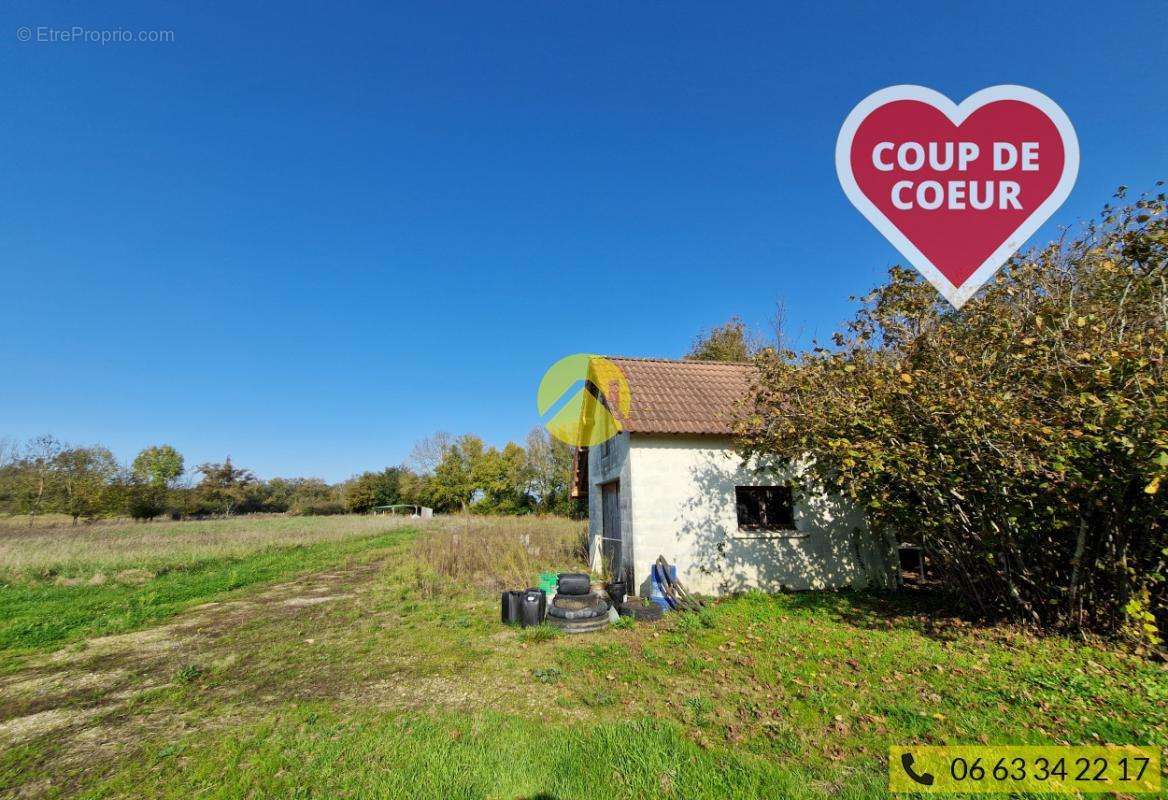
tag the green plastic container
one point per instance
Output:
(547, 582)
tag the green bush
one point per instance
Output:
(1023, 439)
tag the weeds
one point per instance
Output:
(494, 553)
(538, 633)
(598, 698)
(700, 709)
(188, 674)
(548, 674)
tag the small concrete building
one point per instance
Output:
(671, 484)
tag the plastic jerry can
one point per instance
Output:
(534, 607)
(512, 607)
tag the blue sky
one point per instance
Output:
(308, 234)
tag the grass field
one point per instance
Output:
(348, 657)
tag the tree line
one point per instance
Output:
(446, 473)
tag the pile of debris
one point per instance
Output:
(574, 607)
(670, 593)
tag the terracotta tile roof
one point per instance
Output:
(695, 397)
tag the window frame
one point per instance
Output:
(782, 529)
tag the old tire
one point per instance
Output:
(599, 609)
(641, 613)
(574, 602)
(573, 583)
(580, 626)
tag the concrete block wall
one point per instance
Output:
(682, 505)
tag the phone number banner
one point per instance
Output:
(1024, 768)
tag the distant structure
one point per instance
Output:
(405, 510)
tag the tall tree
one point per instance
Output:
(159, 465)
(37, 482)
(550, 464)
(452, 484)
(371, 489)
(503, 478)
(84, 474)
(224, 486)
(428, 453)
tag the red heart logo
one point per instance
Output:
(957, 189)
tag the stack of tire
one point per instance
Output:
(576, 608)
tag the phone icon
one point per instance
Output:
(906, 761)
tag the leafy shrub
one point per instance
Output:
(1023, 439)
(321, 509)
(145, 501)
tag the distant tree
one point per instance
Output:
(9, 469)
(314, 497)
(35, 484)
(84, 473)
(502, 478)
(452, 484)
(731, 341)
(371, 489)
(224, 486)
(278, 494)
(429, 452)
(361, 493)
(416, 489)
(144, 501)
(160, 465)
(550, 472)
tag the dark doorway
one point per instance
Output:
(610, 542)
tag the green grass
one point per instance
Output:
(37, 615)
(394, 688)
(310, 751)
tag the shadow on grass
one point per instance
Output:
(933, 612)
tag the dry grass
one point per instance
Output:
(23, 522)
(497, 552)
(118, 545)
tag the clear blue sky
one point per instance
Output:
(308, 234)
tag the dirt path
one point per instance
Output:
(84, 695)
(354, 635)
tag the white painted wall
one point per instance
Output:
(679, 494)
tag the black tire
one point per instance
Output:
(580, 626)
(572, 602)
(573, 583)
(642, 613)
(600, 609)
